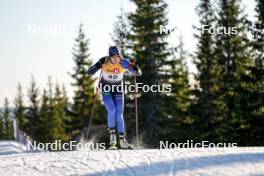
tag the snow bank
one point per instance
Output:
(182, 162)
(11, 147)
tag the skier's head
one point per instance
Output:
(113, 51)
(114, 54)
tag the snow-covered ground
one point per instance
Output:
(154, 162)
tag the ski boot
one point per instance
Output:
(123, 143)
(112, 133)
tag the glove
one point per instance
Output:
(133, 62)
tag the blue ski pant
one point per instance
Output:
(114, 103)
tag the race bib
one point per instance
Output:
(112, 72)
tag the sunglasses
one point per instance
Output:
(116, 56)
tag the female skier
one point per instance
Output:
(112, 70)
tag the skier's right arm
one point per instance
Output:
(98, 65)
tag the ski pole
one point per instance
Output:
(93, 108)
(136, 110)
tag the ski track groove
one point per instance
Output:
(129, 168)
(132, 172)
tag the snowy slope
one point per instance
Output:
(183, 162)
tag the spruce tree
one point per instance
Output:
(46, 122)
(7, 122)
(205, 104)
(51, 109)
(43, 131)
(178, 116)
(67, 115)
(83, 84)
(19, 110)
(233, 56)
(59, 130)
(151, 51)
(51, 117)
(33, 109)
(254, 83)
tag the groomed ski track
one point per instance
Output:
(154, 162)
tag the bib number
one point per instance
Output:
(112, 76)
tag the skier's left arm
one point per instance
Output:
(132, 66)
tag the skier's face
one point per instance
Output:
(115, 59)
